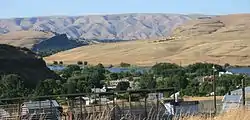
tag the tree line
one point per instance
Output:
(80, 79)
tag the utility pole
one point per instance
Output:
(214, 89)
(243, 92)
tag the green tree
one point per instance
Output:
(61, 62)
(85, 63)
(69, 70)
(226, 65)
(205, 88)
(55, 62)
(12, 85)
(123, 85)
(202, 69)
(113, 76)
(79, 63)
(147, 81)
(165, 69)
(48, 87)
(192, 89)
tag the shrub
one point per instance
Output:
(55, 62)
(122, 64)
(79, 62)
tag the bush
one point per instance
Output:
(122, 64)
(113, 76)
(85, 63)
(55, 62)
(79, 63)
(123, 85)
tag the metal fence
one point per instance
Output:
(77, 107)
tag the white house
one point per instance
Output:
(223, 73)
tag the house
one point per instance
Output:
(91, 100)
(225, 73)
(50, 108)
(115, 82)
(98, 90)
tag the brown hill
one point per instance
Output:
(221, 39)
(26, 64)
(24, 38)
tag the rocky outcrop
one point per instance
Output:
(25, 63)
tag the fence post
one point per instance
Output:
(123, 114)
(157, 106)
(243, 93)
(19, 110)
(52, 111)
(145, 105)
(100, 103)
(114, 106)
(129, 100)
(81, 116)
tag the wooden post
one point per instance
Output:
(81, 115)
(145, 105)
(19, 110)
(129, 100)
(157, 105)
(100, 104)
(214, 89)
(114, 110)
(243, 93)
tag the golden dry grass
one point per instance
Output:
(23, 38)
(202, 98)
(224, 39)
(239, 114)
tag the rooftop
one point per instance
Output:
(43, 104)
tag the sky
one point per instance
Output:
(34, 8)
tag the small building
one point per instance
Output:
(225, 73)
(115, 82)
(231, 102)
(153, 96)
(180, 107)
(239, 91)
(91, 100)
(98, 90)
(50, 108)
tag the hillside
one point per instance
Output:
(57, 42)
(24, 38)
(221, 39)
(26, 64)
(117, 26)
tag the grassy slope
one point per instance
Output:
(24, 38)
(220, 40)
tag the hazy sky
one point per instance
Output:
(28, 8)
